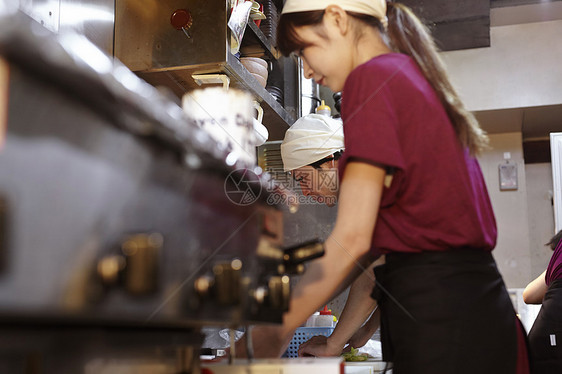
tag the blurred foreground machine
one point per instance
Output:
(122, 228)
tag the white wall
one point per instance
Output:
(521, 68)
(512, 252)
(540, 213)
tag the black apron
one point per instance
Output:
(545, 337)
(445, 313)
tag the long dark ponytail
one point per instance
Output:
(408, 35)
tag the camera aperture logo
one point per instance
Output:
(242, 187)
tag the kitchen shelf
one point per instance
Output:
(276, 118)
(179, 80)
(164, 57)
(266, 43)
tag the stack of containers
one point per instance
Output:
(269, 25)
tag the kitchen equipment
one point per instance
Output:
(276, 92)
(260, 131)
(120, 237)
(229, 124)
(269, 24)
(324, 109)
(367, 367)
(261, 79)
(160, 53)
(255, 65)
(257, 14)
(259, 61)
(301, 365)
(324, 318)
(337, 101)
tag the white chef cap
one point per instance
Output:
(311, 138)
(375, 8)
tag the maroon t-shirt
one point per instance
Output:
(438, 199)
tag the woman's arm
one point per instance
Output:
(358, 307)
(365, 332)
(359, 199)
(534, 292)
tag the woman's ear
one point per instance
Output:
(336, 16)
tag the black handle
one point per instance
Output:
(304, 252)
(4, 232)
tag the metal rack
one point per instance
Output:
(164, 56)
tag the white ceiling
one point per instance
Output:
(542, 11)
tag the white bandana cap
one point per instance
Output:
(375, 8)
(311, 138)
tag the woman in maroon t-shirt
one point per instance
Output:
(545, 337)
(411, 188)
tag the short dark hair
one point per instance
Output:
(335, 156)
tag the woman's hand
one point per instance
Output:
(267, 342)
(359, 339)
(319, 346)
(348, 245)
(365, 332)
